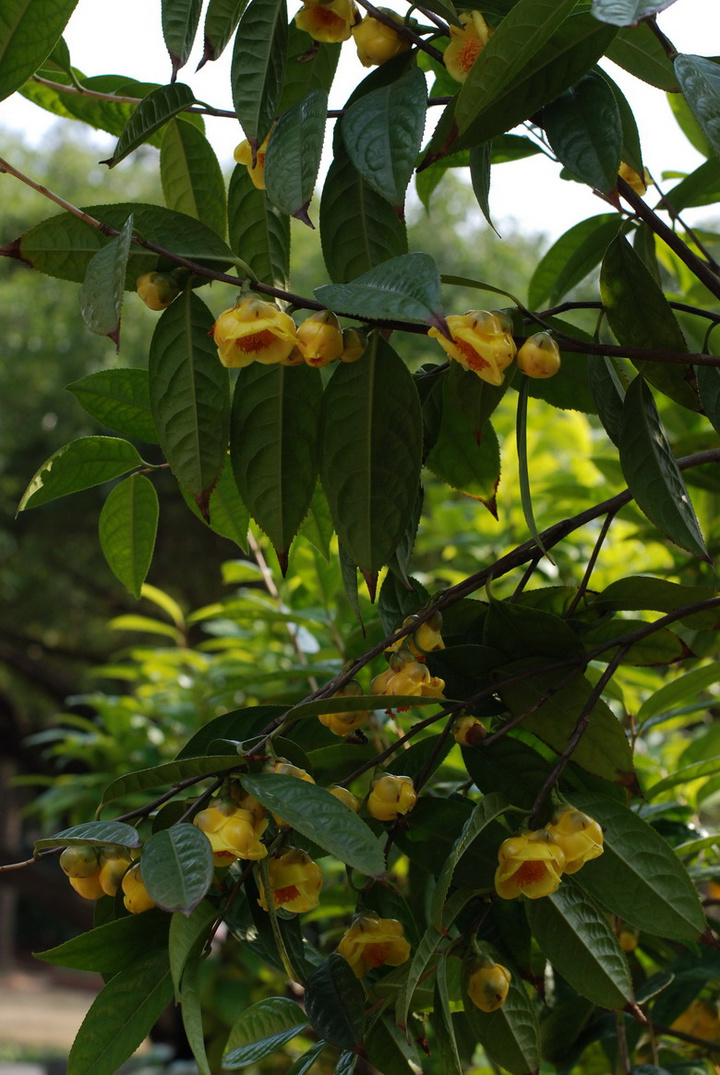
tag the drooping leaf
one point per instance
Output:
(259, 234)
(128, 525)
(317, 814)
(304, 1063)
(221, 19)
(609, 393)
(583, 127)
(119, 399)
(261, 1030)
(293, 155)
(383, 130)
(699, 79)
(405, 288)
(631, 151)
(335, 1003)
(571, 258)
(636, 49)
(29, 31)
(274, 446)
(191, 178)
(310, 66)
(189, 395)
(111, 947)
(370, 457)
(258, 64)
(177, 867)
(652, 473)
(642, 592)
(180, 20)
(445, 1041)
(154, 110)
(81, 464)
(101, 295)
(627, 12)
(93, 832)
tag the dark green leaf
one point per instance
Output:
(405, 288)
(583, 127)
(304, 1063)
(261, 1030)
(571, 258)
(113, 946)
(637, 50)
(177, 867)
(480, 161)
(370, 458)
(153, 111)
(652, 473)
(259, 234)
(93, 832)
(450, 1063)
(514, 628)
(335, 1003)
(81, 464)
(310, 66)
(509, 766)
(701, 187)
(609, 393)
(191, 1011)
(317, 526)
(488, 809)
(688, 124)
(29, 31)
(293, 155)
(119, 399)
(227, 515)
(274, 446)
(239, 724)
(188, 934)
(128, 526)
(258, 65)
(465, 457)
(180, 20)
(641, 592)
(170, 772)
(221, 19)
(708, 382)
(191, 178)
(189, 395)
(699, 79)
(627, 12)
(631, 149)
(101, 295)
(321, 817)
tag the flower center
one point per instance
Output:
(469, 53)
(474, 360)
(376, 954)
(530, 872)
(285, 895)
(323, 16)
(256, 341)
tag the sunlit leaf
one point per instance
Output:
(29, 30)
(81, 464)
(191, 177)
(179, 24)
(154, 110)
(258, 64)
(128, 525)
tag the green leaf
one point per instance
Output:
(699, 79)
(638, 876)
(180, 20)
(119, 399)
(189, 395)
(688, 124)
(405, 288)
(627, 12)
(317, 814)
(188, 934)
(93, 832)
(679, 692)
(238, 724)
(317, 525)
(537, 51)
(261, 1030)
(121, 1017)
(221, 19)
(571, 258)
(609, 393)
(293, 155)
(258, 65)
(465, 456)
(274, 446)
(113, 946)
(170, 772)
(191, 1011)
(358, 228)
(29, 31)
(191, 178)
(701, 187)
(355, 704)
(642, 592)
(584, 130)
(259, 234)
(663, 646)
(637, 50)
(509, 766)
(444, 1033)
(227, 515)
(683, 775)
(383, 130)
(128, 527)
(335, 1003)
(177, 867)
(576, 937)
(640, 316)
(153, 111)
(509, 1035)
(652, 473)
(101, 295)
(480, 162)
(81, 464)
(370, 456)
(304, 1063)
(310, 66)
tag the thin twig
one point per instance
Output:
(607, 523)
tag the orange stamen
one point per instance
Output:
(468, 54)
(376, 954)
(474, 360)
(530, 872)
(256, 341)
(285, 895)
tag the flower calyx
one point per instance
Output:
(469, 731)
(157, 289)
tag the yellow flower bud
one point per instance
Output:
(480, 342)
(319, 338)
(466, 43)
(427, 636)
(372, 942)
(628, 939)
(88, 887)
(469, 731)
(700, 1019)
(295, 881)
(531, 864)
(344, 723)
(579, 836)
(80, 860)
(376, 42)
(539, 356)
(253, 331)
(346, 797)
(390, 796)
(114, 861)
(243, 155)
(327, 20)
(135, 898)
(488, 984)
(354, 345)
(157, 289)
(639, 184)
(380, 682)
(414, 678)
(233, 833)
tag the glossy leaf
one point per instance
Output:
(638, 876)
(509, 1035)
(652, 473)
(383, 132)
(583, 127)
(121, 1017)
(370, 456)
(111, 947)
(310, 66)
(128, 526)
(580, 943)
(335, 1003)
(188, 934)
(293, 155)
(180, 20)
(81, 464)
(699, 79)
(631, 152)
(170, 772)
(93, 832)
(627, 12)
(238, 724)
(189, 395)
(221, 19)
(274, 446)
(261, 1030)
(321, 817)
(358, 228)
(571, 258)
(191, 178)
(152, 113)
(29, 30)
(488, 809)
(177, 867)
(405, 288)
(101, 295)
(119, 399)
(258, 65)
(257, 232)
(636, 49)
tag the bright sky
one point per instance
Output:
(126, 39)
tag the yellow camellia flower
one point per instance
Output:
(327, 21)
(638, 183)
(253, 331)
(295, 881)
(579, 836)
(243, 155)
(354, 345)
(135, 895)
(539, 356)
(414, 678)
(530, 864)
(488, 984)
(88, 887)
(344, 723)
(466, 43)
(390, 796)
(372, 942)
(469, 731)
(701, 1020)
(114, 861)
(427, 637)
(376, 42)
(346, 797)
(233, 833)
(157, 289)
(320, 339)
(480, 342)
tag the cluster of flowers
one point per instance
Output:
(482, 342)
(100, 871)
(532, 863)
(407, 672)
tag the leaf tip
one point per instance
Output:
(301, 214)
(371, 578)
